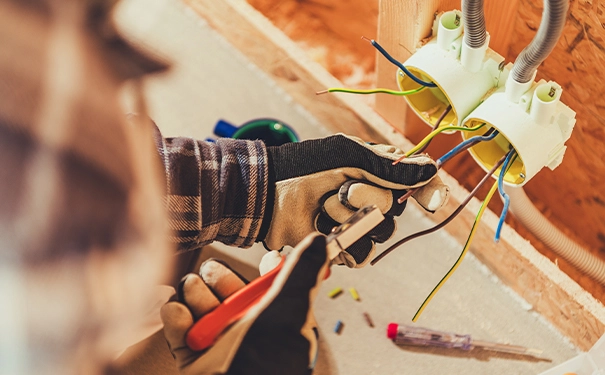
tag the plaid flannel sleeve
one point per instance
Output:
(214, 191)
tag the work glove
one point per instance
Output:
(276, 336)
(318, 184)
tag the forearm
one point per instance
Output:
(214, 191)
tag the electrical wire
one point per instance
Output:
(372, 91)
(447, 220)
(428, 299)
(432, 134)
(488, 136)
(436, 126)
(398, 64)
(510, 158)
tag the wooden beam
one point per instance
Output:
(552, 293)
(401, 25)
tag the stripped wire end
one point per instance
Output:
(405, 196)
(367, 39)
(393, 61)
(447, 220)
(399, 160)
(322, 92)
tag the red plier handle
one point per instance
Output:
(206, 330)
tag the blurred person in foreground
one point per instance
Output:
(94, 205)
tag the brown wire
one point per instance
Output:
(447, 220)
(404, 197)
(439, 120)
(437, 124)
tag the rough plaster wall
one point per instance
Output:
(573, 195)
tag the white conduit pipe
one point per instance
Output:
(525, 211)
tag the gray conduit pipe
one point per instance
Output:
(525, 211)
(551, 27)
(474, 23)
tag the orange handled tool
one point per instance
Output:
(206, 330)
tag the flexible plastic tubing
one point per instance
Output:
(524, 210)
(551, 27)
(473, 19)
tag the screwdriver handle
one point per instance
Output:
(418, 336)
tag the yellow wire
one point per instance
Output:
(435, 132)
(375, 91)
(488, 197)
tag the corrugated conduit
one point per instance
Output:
(551, 27)
(525, 211)
(475, 33)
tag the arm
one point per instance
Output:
(214, 191)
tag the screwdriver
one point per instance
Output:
(418, 336)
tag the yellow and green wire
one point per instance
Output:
(436, 132)
(372, 91)
(467, 245)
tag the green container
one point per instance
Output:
(271, 131)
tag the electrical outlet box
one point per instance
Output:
(461, 82)
(537, 127)
(477, 84)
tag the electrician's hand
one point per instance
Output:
(276, 336)
(320, 183)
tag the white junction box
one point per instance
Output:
(529, 117)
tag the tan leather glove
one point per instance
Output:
(276, 336)
(318, 184)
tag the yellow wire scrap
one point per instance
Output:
(374, 91)
(449, 273)
(437, 131)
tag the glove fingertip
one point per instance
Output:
(269, 261)
(432, 196)
(176, 317)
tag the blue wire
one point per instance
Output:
(400, 65)
(456, 150)
(505, 196)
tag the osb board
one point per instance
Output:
(571, 196)
(554, 295)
